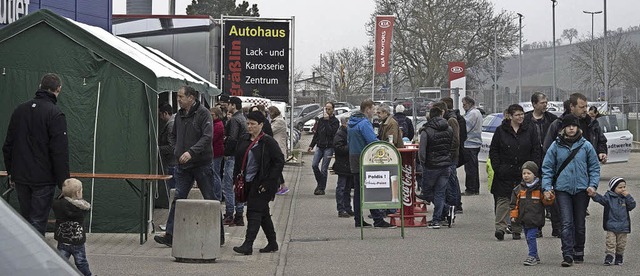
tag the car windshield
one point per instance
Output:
(613, 122)
(491, 122)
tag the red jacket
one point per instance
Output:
(218, 138)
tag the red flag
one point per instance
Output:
(384, 31)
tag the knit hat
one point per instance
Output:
(613, 183)
(399, 108)
(532, 167)
(570, 120)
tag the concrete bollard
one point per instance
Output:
(196, 234)
(193, 194)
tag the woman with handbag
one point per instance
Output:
(257, 181)
(571, 170)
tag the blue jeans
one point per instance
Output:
(35, 204)
(376, 214)
(227, 188)
(573, 211)
(472, 180)
(453, 187)
(79, 256)
(531, 235)
(343, 192)
(217, 179)
(321, 173)
(203, 175)
(437, 178)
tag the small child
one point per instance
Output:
(527, 208)
(70, 210)
(617, 203)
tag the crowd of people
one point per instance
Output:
(541, 164)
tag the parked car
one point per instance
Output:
(613, 126)
(344, 104)
(338, 112)
(303, 113)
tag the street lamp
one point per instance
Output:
(520, 16)
(593, 96)
(606, 58)
(553, 12)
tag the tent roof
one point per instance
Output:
(120, 51)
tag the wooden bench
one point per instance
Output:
(142, 192)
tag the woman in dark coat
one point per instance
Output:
(513, 144)
(262, 172)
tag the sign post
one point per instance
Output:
(380, 175)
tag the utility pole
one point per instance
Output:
(553, 9)
(593, 58)
(495, 71)
(606, 58)
(520, 16)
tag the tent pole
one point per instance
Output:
(93, 169)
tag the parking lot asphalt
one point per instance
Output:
(314, 241)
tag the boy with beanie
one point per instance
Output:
(527, 208)
(617, 203)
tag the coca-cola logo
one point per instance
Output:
(457, 69)
(407, 199)
(384, 23)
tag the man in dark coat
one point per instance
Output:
(513, 144)
(36, 152)
(322, 145)
(192, 135)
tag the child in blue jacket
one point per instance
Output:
(617, 203)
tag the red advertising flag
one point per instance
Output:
(384, 31)
(456, 70)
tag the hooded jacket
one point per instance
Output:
(70, 214)
(541, 129)
(616, 211)
(582, 172)
(36, 149)
(590, 131)
(218, 138)
(193, 132)
(508, 152)
(526, 205)
(235, 128)
(360, 134)
(436, 143)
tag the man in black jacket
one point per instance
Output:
(191, 135)
(539, 118)
(235, 128)
(342, 168)
(36, 152)
(325, 129)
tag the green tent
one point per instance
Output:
(110, 90)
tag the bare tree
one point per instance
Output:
(349, 70)
(570, 34)
(619, 52)
(428, 34)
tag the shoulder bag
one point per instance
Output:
(238, 181)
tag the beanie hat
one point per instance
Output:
(400, 108)
(570, 120)
(531, 166)
(613, 183)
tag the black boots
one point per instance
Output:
(271, 247)
(245, 249)
(238, 220)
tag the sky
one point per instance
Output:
(330, 25)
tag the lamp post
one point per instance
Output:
(495, 71)
(606, 58)
(593, 96)
(520, 16)
(553, 13)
